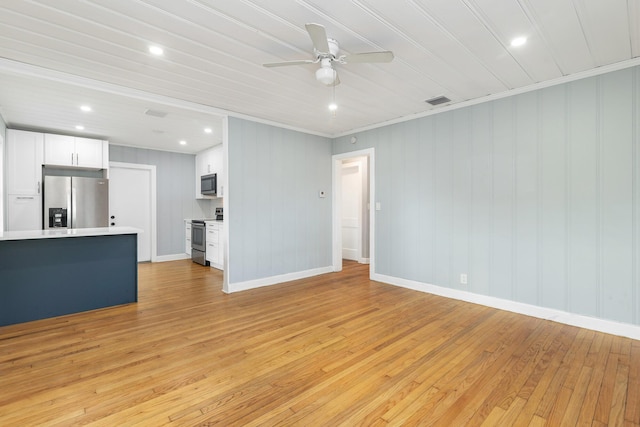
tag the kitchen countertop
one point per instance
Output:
(74, 232)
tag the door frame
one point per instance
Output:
(152, 173)
(336, 166)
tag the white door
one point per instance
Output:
(130, 203)
(351, 211)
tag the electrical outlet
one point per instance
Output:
(463, 279)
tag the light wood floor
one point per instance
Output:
(331, 350)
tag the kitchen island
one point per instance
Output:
(47, 273)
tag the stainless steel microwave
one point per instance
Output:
(209, 185)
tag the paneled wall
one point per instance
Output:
(536, 197)
(175, 186)
(277, 222)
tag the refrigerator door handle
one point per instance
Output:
(71, 205)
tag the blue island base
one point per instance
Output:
(43, 278)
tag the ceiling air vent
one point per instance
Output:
(155, 113)
(438, 100)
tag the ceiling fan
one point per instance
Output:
(326, 52)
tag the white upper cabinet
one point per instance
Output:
(63, 150)
(59, 150)
(24, 162)
(89, 153)
(208, 162)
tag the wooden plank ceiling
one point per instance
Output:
(214, 51)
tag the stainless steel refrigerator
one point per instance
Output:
(75, 202)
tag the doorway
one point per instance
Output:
(132, 203)
(353, 219)
(354, 200)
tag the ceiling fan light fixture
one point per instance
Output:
(326, 75)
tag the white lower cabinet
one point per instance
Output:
(187, 237)
(214, 239)
(24, 212)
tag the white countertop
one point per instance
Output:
(74, 232)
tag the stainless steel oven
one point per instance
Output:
(198, 242)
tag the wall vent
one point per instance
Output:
(438, 100)
(155, 113)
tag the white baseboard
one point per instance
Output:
(363, 260)
(274, 280)
(173, 257)
(600, 325)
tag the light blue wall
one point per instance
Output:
(277, 223)
(536, 197)
(175, 199)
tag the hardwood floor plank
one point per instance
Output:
(632, 411)
(336, 349)
(572, 357)
(577, 397)
(597, 363)
(619, 397)
(535, 388)
(603, 405)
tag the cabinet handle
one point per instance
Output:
(77, 159)
(25, 198)
(72, 158)
(38, 187)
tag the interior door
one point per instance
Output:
(130, 204)
(351, 211)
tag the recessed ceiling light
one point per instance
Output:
(518, 41)
(156, 50)
(183, 142)
(85, 108)
(208, 130)
(79, 127)
(333, 106)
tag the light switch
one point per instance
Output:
(378, 206)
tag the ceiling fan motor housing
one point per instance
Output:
(334, 48)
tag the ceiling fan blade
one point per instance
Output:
(286, 63)
(318, 37)
(383, 56)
